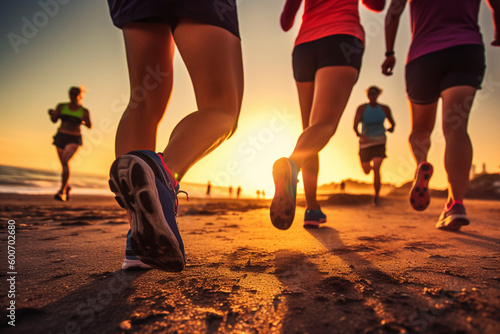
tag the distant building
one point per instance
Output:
(474, 174)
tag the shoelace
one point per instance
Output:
(177, 192)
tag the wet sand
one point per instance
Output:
(367, 270)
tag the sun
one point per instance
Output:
(247, 158)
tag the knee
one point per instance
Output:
(327, 130)
(419, 137)
(419, 133)
(454, 130)
(366, 168)
(228, 123)
(147, 108)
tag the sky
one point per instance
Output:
(46, 46)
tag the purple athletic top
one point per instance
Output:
(440, 24)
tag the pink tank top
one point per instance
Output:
(323, 18)
(440, 24)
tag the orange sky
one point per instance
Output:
(79, 45)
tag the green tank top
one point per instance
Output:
(70, 115)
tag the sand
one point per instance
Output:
(367, 270)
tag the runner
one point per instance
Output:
(326, 62)
(372, 138)
(145, 183)
(68, 138)
(445, 60)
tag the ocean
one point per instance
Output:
(20, 180)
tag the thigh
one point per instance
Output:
(60, 152)
(423, 116)
(68, 152)
(305, 91)
(332, 89)
(377, 162)
(150, 51)
(457, 103)
(214, 61)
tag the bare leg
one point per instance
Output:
(377, 162)
(423, 120)
(213, 58)
(310, 168)
(367, 167)
(333, 86)
(457, 102)
(150, 51)
(64, 157)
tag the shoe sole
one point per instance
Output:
(151, 239)
(282, 209)
(134, 265)
(420, 197)
(453, 223)
(313, 223)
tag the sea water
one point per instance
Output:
(20, 180)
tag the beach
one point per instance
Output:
(369, 269)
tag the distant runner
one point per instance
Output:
(372, 138)
(68, 138)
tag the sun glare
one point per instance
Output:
(248, 157)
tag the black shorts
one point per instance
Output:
(63, 139)
(368, 153)
(427, 76)
(334, 50)
(220, 13)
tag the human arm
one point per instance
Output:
(495, 8)
(54, 114)
(357, 118)
(288, 14)
(392, 17)
(388, 114)
(86, 119)
(375, 5)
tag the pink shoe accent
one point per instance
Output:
(449, 206)
(174, 182)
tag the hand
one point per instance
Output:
(51, 111)
(363, 139)
(496, 42)
(391, 129)
(388, 65)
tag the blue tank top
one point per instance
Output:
(372, 121)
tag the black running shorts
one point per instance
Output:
(334, 50)
(220, 13)
(63, 139)
(368, 153)
(428, 75)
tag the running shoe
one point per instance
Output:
(60, 197)
(282, 210)
(131, 261)
(453, 219)
(312, 218)
(147, 190)
(419, 194)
